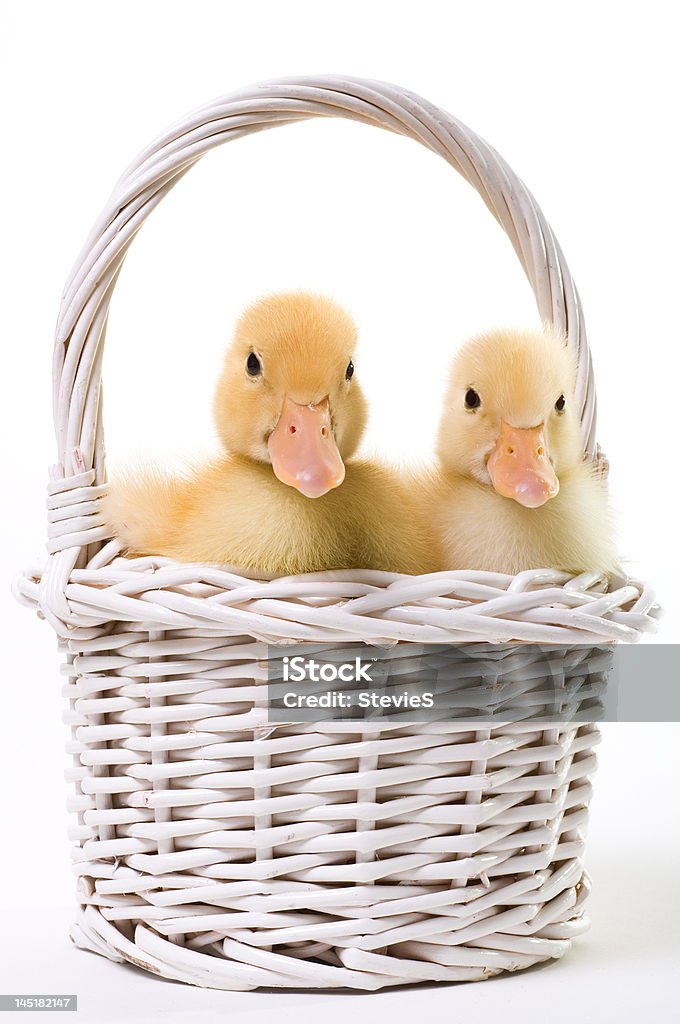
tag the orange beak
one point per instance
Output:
(519, 467)
(303, 450)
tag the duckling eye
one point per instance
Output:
(560, 404)
(472, 399)
(349, 372)
(253, 365)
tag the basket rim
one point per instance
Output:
(369, 606)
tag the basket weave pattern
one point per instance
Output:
(219, 850)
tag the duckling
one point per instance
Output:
(286, 496)
(512, 490)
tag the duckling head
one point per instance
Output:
(288, 395)
(510, 419)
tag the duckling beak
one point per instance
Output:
(519, 467)
(303, 450)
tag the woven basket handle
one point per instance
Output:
(81, 326)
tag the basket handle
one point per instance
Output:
(82, 320)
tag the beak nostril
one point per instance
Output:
(539, 450)
(292, 429)
(324, 431)
(511, 451)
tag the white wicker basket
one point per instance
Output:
(217, 850)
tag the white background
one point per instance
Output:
(581, 99)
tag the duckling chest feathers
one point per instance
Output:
(482, 530)
(262, 523)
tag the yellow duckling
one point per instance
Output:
(287, 496)
(512, 490)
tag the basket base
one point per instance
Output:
(354, 968)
